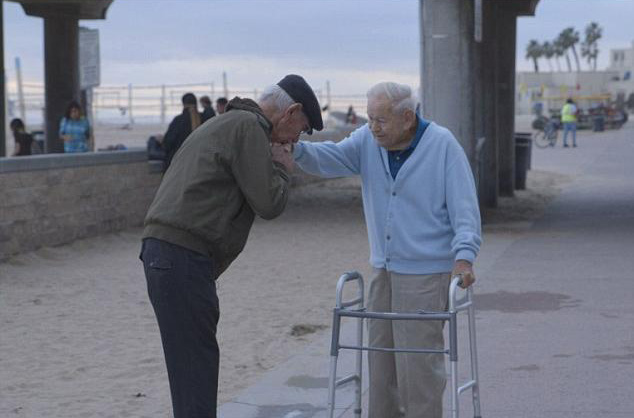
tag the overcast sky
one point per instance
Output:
(352, 43)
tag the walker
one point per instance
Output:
(343, 309)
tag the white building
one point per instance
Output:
(585, 87)
(621, 85)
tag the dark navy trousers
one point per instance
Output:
(182, 290)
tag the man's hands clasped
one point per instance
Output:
(283, 154)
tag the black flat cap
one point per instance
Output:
(299, 90)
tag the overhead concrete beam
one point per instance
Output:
(519, 7)
(78, 9)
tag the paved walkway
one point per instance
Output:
(555, 304)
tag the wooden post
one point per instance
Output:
(130, 104)
(224, 84)
(21, 104)
(95, 104)
(163, 104)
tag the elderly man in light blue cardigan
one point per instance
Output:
(423, 223)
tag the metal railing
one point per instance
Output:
(131, 104)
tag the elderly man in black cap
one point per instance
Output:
(230, 169)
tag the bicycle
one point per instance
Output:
(547, 134)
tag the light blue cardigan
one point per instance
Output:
(420, 222)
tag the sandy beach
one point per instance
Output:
(78, 337)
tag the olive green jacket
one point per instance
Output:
(219, 179)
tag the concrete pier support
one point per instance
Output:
(469, 86)
(61, 54)
(448, 76)
(489, 187)
(506, 28)
(61, 73)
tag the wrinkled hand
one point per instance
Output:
(465, 269)
(283, 153)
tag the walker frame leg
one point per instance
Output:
(332, 381)
(359, 369)
(475, 391)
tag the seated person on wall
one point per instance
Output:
(351, 116)
(23, 140)
(155, 149)
(74, 130)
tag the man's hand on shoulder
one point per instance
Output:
(283, 154)
(465, 269)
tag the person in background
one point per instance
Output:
(569, 119)
(221, 104)
(23, 140)
(74, 130)
(155, 149)
(180, 127)
(208, 110)
(228, 171)
(351, 116)
(423, 221)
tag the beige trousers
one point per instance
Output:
(406, 385)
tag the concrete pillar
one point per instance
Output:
(61, 58)
(506, 28)
(448, 76)
(3, 133)
(479, 109)
(489, 185)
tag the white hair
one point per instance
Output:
(399, 94)
(276, 96)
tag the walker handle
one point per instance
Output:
(347, 277)
(456, 282)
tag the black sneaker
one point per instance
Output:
(565, 145)
(574, 145)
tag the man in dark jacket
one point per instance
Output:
(221, 104)
(180, 127)
(230, 169)
(208, 110)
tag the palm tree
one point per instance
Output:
(570, 38)
(548, 50)
(534, 51)
(586, 52)
(562, 45)
(558, 49)
(590, 47)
